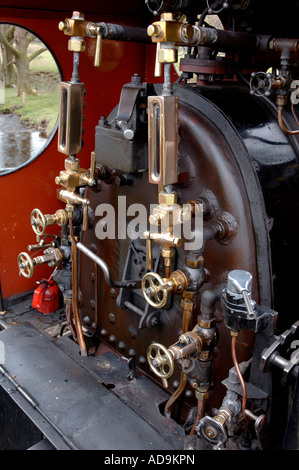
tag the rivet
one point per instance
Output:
(86, 320)
(112, 293)
(112, 339)
(132, 331)
(111, 317)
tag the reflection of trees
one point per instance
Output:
(16, 41)
(16, 143)
(8, 73)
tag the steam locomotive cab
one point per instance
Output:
(172, 248)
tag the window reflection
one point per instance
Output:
(29, 97)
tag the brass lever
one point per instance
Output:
(98, 54)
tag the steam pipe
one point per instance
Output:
(187, 313)
(77, 319)
(123, 33)
(209, 299)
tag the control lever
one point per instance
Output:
(98, 54)
(240, 282)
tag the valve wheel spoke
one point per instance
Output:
(160, 360)
(154, 290)
(38, 222)
(25, 264)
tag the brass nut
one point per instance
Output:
(186, 32)
(61, 216)
(206, 323)
(167, 253)
(179, 280)
(167, 198)
(154, 30)
(167, 16)
(154, 219)
(167, 56)
(61, 179)
(234, 333)
(63, 25)
(201, 395)
(70, 164)
(189, 296)
(194, 263)
(76, 45)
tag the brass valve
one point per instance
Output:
(161, 360)
(169, 217)
(26, 264)
(78, 28)
(168, 29)
(39, 221)
(73, 176)
(167, 34)
(155, 289)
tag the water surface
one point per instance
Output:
(18, 144)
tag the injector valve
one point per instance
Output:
(155, 288)
(189, 344)
(52, 256)
(39, 221)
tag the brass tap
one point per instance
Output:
(52, 256)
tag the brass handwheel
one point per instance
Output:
(154, 290)
(160, 360)
(25, 264)
(38, 222)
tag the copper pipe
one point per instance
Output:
(76, 314)
(78, 325)
(68, 315)
(199, 415)
(71, 231)
(167, 271)
(183, 379)
(281, 123)
(234, 356)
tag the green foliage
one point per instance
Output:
(38, 110)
